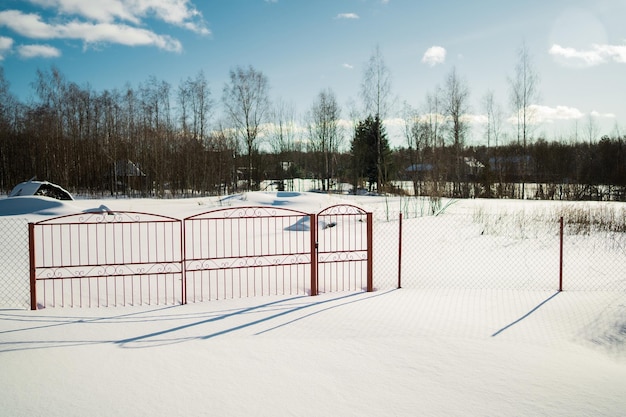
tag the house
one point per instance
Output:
(126, 175)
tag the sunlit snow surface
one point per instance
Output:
(426, 349)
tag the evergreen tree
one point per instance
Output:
(371, 157)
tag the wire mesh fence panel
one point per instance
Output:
(14, 273)
(593, 260)
(468, 251)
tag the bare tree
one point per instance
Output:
(246, 102)
(8, 110)
(591, 129)
(524, 91)
(376, 95)
(156, 130)
(433, 118)
(325, 133)
(201, 106)
(417, 135)
(455, 107)
(284, 127)
(493, 130)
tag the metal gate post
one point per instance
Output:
(313, 229)
(561, 254)
(31, 259)
(400, 251)
(370, 251)
(183, 262)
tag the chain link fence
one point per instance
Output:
(593, 260)
(14, 272)
(426, 246)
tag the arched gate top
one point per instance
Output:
(247, 212)
(342, 209)
(108, 217)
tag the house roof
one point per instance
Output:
(420, 168)
(127, 169)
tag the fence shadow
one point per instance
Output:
(525, 316)
(148, 340)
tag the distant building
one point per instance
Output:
(126, 175)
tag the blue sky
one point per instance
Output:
(578, 48)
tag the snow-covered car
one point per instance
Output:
(40, 188)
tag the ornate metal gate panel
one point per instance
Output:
(247, 251)
(105, 259)
(344, 239)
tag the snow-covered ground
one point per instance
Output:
(427, 349)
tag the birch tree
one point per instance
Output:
(455, 106)
(247, 104)
(523, 93)
(376, 95)
(325, 133)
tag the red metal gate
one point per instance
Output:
(105, 258)
(344, 239)
(129, 258)
(247, 251)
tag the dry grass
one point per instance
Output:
(578, 218)
(586, 218)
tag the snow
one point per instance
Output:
(431, 349)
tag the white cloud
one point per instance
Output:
(538, 114)
(475, 119)
(119, 34)
(348, 66)
(598, 54)
(180, 13)
(347, 16)
(5, 46)
(31, 26)
(434, 55)
(43, 51)
(602, 115)
(100, 11)
(113, 21)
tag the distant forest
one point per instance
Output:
(159, 140)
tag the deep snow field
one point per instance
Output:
(423, 350)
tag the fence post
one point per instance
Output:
(400, 251)
(31, 259)
(183, 262)
(370, 252)
(313, 229)
(561, 254)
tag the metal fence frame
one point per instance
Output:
(243, 251)
(342, 253)
(107, 256)
(111, 256)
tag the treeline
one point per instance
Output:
(543, 169)
(156, 140)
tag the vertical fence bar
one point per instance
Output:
(313, 230)
(400, 251)
(370, 251)
(561, 254)
(31, 258)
